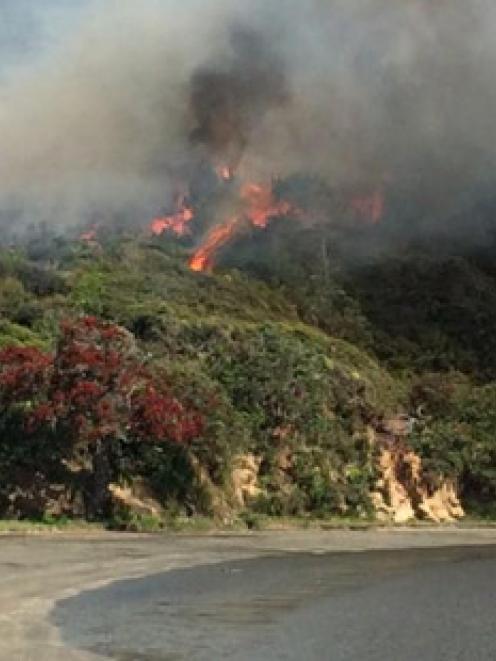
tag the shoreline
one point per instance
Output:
(38, 570)
(201, 526)
(295, 606)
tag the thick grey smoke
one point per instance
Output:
(365, 93)
(231, 97)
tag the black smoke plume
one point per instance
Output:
(365, 95)
(229, 99)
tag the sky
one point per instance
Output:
(95, 96)
(30, 27)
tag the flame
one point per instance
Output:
(370, 208)
(258, 204)
(203, 259)
(89, 236)
(178, 222)
(224, 172)
(261, 205)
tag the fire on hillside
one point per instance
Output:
(253, 204)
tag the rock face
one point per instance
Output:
(244, 478)
(220, 507)
(36, 496)
(402, 490)
(136, 498)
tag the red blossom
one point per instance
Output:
(93, 387)
(23, 370)
(157, 415)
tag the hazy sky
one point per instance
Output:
(28, 28)
(95, 103)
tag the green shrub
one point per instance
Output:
(460, 443)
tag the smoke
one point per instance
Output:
(96, 125)
(116, 105)
(229, 99)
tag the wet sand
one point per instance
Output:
(238, 596)
(379, 605)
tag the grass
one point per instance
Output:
(29, 526)
(246, 521)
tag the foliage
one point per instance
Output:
(12, 334)
(299, 261)
(93, 388)
(430, 314)
(295, 348)
(86, 399)
(458, 442)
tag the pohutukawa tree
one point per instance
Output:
(91, 393)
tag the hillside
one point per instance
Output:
(297, 387)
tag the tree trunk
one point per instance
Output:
(98, 499)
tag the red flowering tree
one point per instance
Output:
(24, 375)
(91, 393)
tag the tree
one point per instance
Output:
(90, 396)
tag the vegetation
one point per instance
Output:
(118, 364)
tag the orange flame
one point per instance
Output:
(261, 205)
(224, 172)
(370, 208)
(89, 236)
(177, 222)
(203, 259)
(258, 207)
